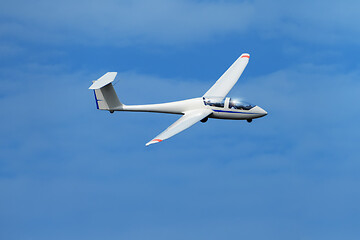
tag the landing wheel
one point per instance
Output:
(249, 120)
(111, 111)
(204, 120)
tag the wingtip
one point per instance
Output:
(245, 55)
(153, 141)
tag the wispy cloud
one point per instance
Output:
(114, 22)
(84, 173)
(297, 96)
(176, 22)
(63, 159)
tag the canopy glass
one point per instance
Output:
(235, 103)
(214, 102)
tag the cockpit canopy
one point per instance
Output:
(235, 103)
(231, 103)
(214, 101)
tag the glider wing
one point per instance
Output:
(226, 82)
(186, 121)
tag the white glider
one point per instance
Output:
(213, 104)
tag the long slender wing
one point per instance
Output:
(226, 82)
(186, 121)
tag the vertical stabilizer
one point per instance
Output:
(105, 95)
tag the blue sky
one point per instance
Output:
(68, 171)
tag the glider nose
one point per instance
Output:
(262, 112)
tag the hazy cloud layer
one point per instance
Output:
(177, 22)
(69, 171)
(78, 166)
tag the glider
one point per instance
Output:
(213, 104)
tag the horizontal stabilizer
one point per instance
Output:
(104, 80)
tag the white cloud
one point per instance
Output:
(302, 100)
(56, 143)
(176, 22)
(114, 22)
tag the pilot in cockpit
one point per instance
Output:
(240, 105)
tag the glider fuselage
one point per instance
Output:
(224, 110)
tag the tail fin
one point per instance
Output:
(105, 95)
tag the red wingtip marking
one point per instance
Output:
(158, 140)
(247, 56)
